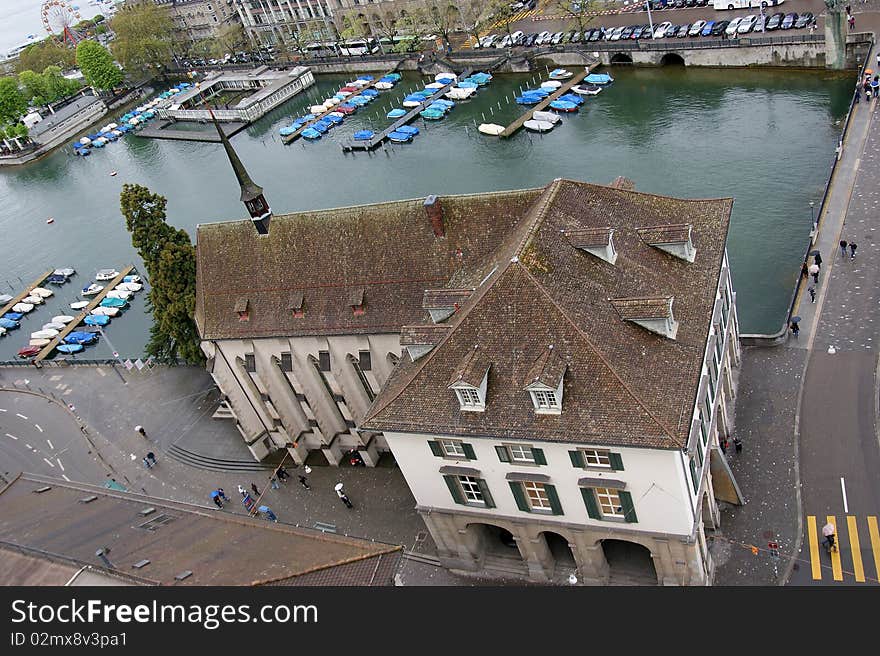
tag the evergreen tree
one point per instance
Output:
(97, 65)
(13, 104)
(170, 260)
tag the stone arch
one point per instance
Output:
(629, 563)
(563, 558)
(672, 59)
(621, 58)
(495, 547)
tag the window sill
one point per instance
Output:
(614, 520)
(471, 409)
(596, 468)
(546, 411)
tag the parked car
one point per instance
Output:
(804, 20)
(733, 26)
(679, 4)
(696, 28)
(557, 38)
(774, 22)
(683, 30)
(517, 38)
(660, 30)
(671, 31)
(531, 4)
(789, 21)
(720, 27)
(617, 34)
(543, 37)
(707, 28)
(597, 34)
(702, 3)
(747, 24)
(529, 41)
(690, 3)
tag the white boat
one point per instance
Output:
(560, 74)
(62, 319)
(42, 292)
(491, 128)
(441, 76)
(53, 326)
(411, 103)
(39, 342)
(33, 300)
(44, 334)
(120, 293)
(105, 311)
(551, 84)
(91, 290)
(317, 109)
(106, 274)
(135, 287)
(538, 126)
(2, 331)
(23, 307)
(78, 305)
(435, 85)
(384, 86)
(68, 271)
(550, 117)
(457, 93)
(586, 89)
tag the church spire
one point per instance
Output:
(251, 192)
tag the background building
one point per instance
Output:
(275, 21)
(201, 19)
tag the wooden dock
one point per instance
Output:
(165, 130)
(27, 290)
(291, 137)
(403, 120)
(95, 302)
(514, 127)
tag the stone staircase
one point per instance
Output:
(215, 464)
(223, 411)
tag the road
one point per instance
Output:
(41, 437)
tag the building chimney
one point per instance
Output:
(434, 210)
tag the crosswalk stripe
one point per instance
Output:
(813, 534)
(853, 529)
(875, 543)
(835, 555)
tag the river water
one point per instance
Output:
(767, 138)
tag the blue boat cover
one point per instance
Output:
(563, 104)
(396, 113)
(368, 78)
(114, 302)
(364, 135)
(287, 130)
(97, 320)
(81, 337)
(129, 278)
(570, 97)
(9, 324)
(370, 92)
(335, 120)
(397, 135)
(13, 316)
(598, 78)
(467, 85)
(310, 133)
(70, 348)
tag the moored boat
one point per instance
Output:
(400, 137)
(492, 129)
(96, 320)
(586, 89)
(106, 274)
(550, 117)
(538, 126)
(69, 348)
(598, 78)
(563, 106)
(90, 290)
(560, 74)
(29, 351)
(78, 305)
(23, 307)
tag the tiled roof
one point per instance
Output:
(643, 308)
(589, 237)
(472, 368)
(624, 385)
(548, 369)
(389, 250)
(423, 334)
(665, 234)
(437, 299)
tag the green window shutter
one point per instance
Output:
(577, 458)
(616, 461)
(436, 449)
(520, 496)
(590, 502)
(454, 490)
(487, 496)
(693, 475)
(468, 451)
(503, 455)
(626, 502)
(554, 499)
(538, 455)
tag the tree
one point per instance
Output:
(35, 88)
(231, 39)
(354, 26)
(474, 17)
(97, 65)
(170, 260)
(57, 86)
(443, 17)
(501, 11)
(45, 53)
(143, 36)
(13, 104)
(581, 11)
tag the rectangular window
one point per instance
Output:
(250, 363)
(358, 310)
(545, 399)
(520, 453)
(719, 342)
(596, 458)
(537, 496)
(470, 486)
(286, 362)
(710, 396)
(724, 304)
(365, 360)
(452, 449)
(704, 429)
(609, 502)
(299, 313)
(359, 370)
(324, 360)
(695, 480)
(243, 316)
(469, 397)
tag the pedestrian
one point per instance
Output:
(817, 260)
(722, 442)
(843, 247)
(147, 463)
(242, 491)
(282, 473)
(795, 329)
(875, 86)
(269, 514)
(852, 22)
(804, 270)
(878, 60)
(140, 429)
(215, 497)
(255, 489)
(151, 457)
(858, 94)
(222, 494)
(274, 482)
(247, 502)
(812, 291)
(814, 271)
(343, 496)
(304, 482)
(848, 10)
(737, 444)
(852, 250)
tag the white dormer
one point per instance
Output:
(421, 339)
(443, 303)
(595, 241)
(654, 314)
(675, 239)
(544, 382)
(470, 381)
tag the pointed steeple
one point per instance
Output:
(251, 192)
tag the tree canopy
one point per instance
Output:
(97, 65)
(45, 53)
(13, 104)
(170, 260)
(48, 86)
(144, 34)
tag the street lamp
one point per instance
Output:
(650, 20)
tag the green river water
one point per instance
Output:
(766, 138)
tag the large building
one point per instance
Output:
(274, 21)
(552, 368)
(201, 19)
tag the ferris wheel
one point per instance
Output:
(59, 19)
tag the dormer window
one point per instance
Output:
(470, 399)
(443, 303)
(674, 239)
(356, 300)
(596, 241)
(653, 313)
(470, 381)
(544, 382)
(242, 309)
(296, 305)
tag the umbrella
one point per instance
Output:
(814, 252)
(814, 268)
(215, 494)
(795, 319)
(338, 487)
(263, 509)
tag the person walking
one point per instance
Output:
(147, 463)
(843, 247)
(215, 497)
(817, 260)
(737, 444)
(812, 291)
(795, 329)
(343, 496)
(140, 429)
(242, 491)
(814, 271)
(852, 22)
(805, 270)
(304, 482)
(875, 86)
(222, 494)
(282, 473)
(255, 489)
(152, 458)
(274, 483)
(852, 250)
